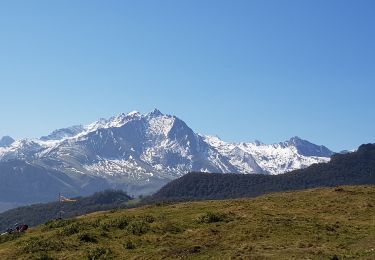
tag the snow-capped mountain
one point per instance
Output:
(6, 141)
(272, 159)
(137, 151)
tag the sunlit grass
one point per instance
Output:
(312, 224)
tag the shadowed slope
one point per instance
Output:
(344, 169)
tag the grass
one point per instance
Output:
(330, 223)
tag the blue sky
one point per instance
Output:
(243, 70)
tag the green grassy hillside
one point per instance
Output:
(327, 223)
(40, 213)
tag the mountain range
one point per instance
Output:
(138, 153)
(356, 168)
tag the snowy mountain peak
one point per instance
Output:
(258, 143)
(122, 116)
(133, 114)
(213, 139)
(152, 148)
(63, 133)
(307, 148)
(6, 141)
(295, 139)
(101, 123)
(155, 113)
(122, 119)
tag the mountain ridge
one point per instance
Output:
(142, 152)
(170, 128)
(356, 168)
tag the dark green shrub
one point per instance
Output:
(104, 226)
(148, 218)
(9, 237)
(138, 227)
(43, 256)
(99, 253)
(70, 230)
(57, 223)
(120, 223)
(87, 237)
(95, 223)
(129, 245)
(212, 217)
(103, 234)
(169, 227)
(35, 245)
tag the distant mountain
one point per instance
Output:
(138, 153)
(63, 133)
(6, 141)
(39, 213)
(25, 183)
(355, 168)
(257, 157)
(308, 149)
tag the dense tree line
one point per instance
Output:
(40, 213)
(343, 169)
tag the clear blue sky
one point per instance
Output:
(243, 70)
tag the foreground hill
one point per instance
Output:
(327, 223)
(39, 213)
(344, 169)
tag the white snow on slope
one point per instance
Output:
(273, 158)
(156, 154)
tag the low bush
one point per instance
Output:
(9, 237)
(42, 256)
(120, 223)
(212, 217)
(99, 253)
(87, 237)
(138, 227)
(57, 223)
(35, 244)
(71, 229)
(129, 245)
(168, 227)
(148, 218)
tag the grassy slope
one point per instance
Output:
(311, 224)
